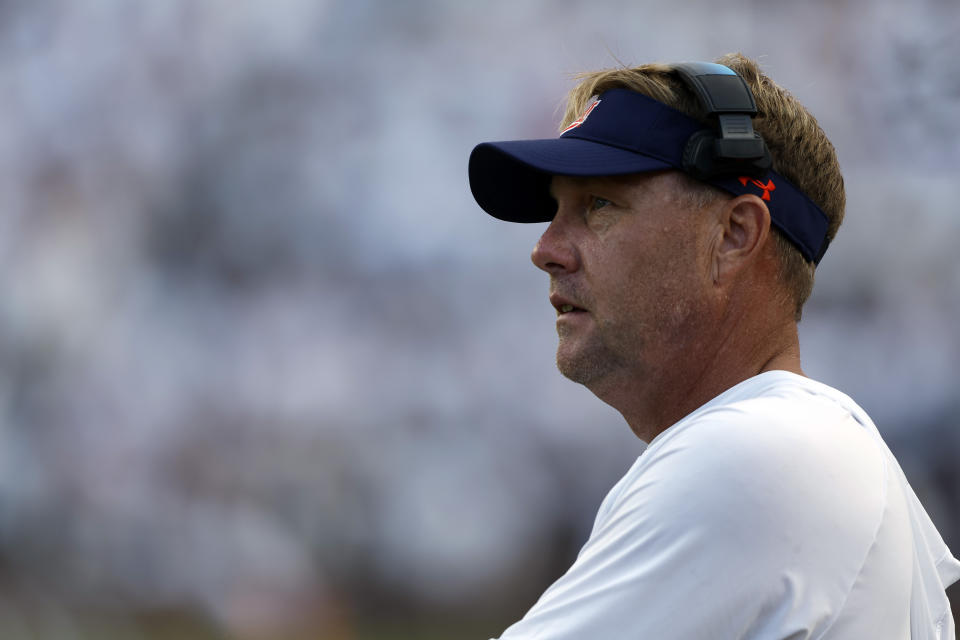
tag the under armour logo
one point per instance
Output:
(579, 121)
(767, 188)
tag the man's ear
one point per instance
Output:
(744, 228)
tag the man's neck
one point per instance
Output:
(651, 402)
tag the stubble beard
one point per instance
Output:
(598, 358)
(629, 348)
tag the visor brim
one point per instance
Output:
(511, 180)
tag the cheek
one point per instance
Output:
(601, 222)
(659, 284)
(645, 265)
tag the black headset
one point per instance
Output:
(733, 148)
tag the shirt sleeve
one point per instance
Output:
(746, 523)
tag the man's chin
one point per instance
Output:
(583, 368)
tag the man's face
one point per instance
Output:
(628, 261)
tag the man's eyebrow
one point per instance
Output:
(610, 185)
(579, 182)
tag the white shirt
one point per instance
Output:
(773, 511)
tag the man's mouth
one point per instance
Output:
(566, 307)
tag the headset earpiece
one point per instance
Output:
(698, 155)
(733, 147)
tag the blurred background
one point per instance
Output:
(266, 370)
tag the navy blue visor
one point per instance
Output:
(624, 132)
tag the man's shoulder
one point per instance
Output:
(774, 415)
(785, 451)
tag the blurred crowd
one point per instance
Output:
(264, 362)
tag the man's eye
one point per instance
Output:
(597, 202)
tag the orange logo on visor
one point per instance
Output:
(767, 188)
(579, 121)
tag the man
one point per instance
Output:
(685, 226)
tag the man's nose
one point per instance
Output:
(554, 252)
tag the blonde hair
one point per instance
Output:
(800, 149)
